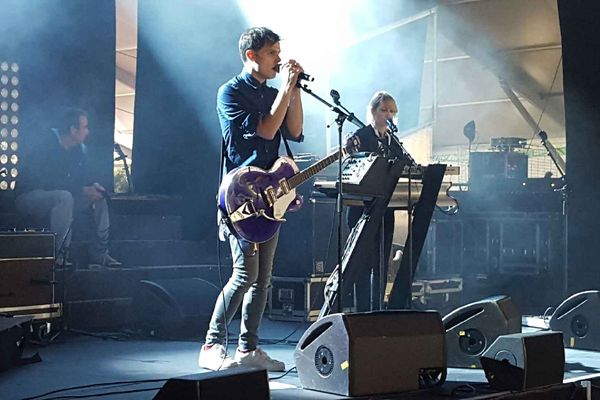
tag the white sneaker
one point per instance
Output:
(258, 359)
(215, 358)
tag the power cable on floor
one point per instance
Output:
(92, 385)
(283, 375)
(87, 396)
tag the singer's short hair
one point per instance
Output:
(378, 98)
(70, 117)
(255, 39)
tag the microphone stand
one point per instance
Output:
(562, 169)
(123, 157)
(342, 115)
(392, 130)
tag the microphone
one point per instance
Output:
(391, 126)
(301, 76)
(305, 77)
(335, 95)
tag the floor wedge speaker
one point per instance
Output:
(578, 318)
(372, 353)
(470, 329)
(525, 360)
(174, 308)
(236, 383)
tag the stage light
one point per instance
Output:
(8, 109)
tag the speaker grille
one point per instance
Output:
(324, 360)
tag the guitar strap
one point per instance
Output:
(287, 146)
(220, 217)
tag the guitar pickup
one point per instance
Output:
(284, 185)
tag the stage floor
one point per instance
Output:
(76, 360)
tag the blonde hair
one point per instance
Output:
(378, 98)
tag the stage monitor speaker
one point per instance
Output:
(174, 308)
(471, 329)
(13, 331)
(578, 318)
(525, 360)
(236, 383)
(372, 353)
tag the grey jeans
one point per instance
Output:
(59, 205)
(249, 285)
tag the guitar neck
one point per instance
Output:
(303, 176)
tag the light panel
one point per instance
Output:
(9, 124)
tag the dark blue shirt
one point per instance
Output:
(49, 166)
(241, 103)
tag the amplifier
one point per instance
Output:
(26, 267)
(26, 245)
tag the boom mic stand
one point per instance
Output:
(342, 115)
(562, 169)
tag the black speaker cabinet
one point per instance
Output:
(236, 383)
(578, 318)
(491, 171)
(13, 332)
(471, 329)
(372, 353)
(307, 241)
(525, 360)
(174, 308)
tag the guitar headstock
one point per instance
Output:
(352, 144)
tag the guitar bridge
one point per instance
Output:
(269, 196)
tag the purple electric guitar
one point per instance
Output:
(254, 200)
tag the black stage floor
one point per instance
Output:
(76, 360)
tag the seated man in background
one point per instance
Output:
(56, 181)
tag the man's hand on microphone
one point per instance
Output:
(291, 69)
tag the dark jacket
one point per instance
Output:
(48, 166)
